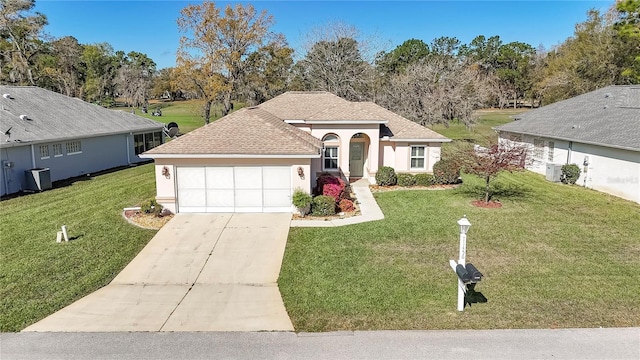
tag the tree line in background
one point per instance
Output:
(230, 54)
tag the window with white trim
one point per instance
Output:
(73, 147)
(551, 147)
(418, 157)
(44, 151)
(57, 150)
(330, 155)
(538, 149)
(331, 158)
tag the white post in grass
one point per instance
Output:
(464, 227)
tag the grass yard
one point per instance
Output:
(554, 256)
(187, 114)
(481, 133)
(39, 276)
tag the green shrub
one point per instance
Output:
(405, 179)
(301, 199)
(446, 172)
(386, 176)
(424, 179)
(570, 173)
(151, 207)
(323, 206)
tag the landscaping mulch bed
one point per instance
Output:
(487, 205)
(378, 188)
(146, 221)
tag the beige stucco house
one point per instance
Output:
(254, 158)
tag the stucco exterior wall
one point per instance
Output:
(610, 170)
(166, 186)
(388, 153)
(345, 133)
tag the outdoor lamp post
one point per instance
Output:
(464, 227)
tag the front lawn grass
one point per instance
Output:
(481, 132)
(554, 256)
(39, 276)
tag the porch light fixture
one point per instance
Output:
(165, 172)
(301, 172)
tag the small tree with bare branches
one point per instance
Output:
(489, 162)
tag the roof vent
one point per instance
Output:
(607, 95)
(24, 117)
(6, 96)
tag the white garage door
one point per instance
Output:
(234, 189)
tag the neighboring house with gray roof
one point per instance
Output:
(253, 159)
(56, 137)
(599, 131)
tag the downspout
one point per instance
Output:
(33, 157)
(6, 180)
(128, 149)
(569, 152)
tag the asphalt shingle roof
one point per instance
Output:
(263, 130)
(608, 117)
(300, 105)
(398, 127)
(248, 131)
(53, 117)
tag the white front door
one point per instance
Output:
(234, 189)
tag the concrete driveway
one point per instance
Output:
(200, 272)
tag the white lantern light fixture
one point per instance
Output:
(464, 225)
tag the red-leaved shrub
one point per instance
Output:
(346, 205)
(328, 179)
(333, 190)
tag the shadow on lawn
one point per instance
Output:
(473, 297)
(499, 191)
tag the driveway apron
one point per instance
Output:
(200, 272)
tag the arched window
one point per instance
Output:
(330, 154)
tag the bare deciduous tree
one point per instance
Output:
(214, 47)
(435, 91)
(338, 58)
(489, 162)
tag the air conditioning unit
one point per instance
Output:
(554, 172)
(38, 179)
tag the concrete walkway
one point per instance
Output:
(200, 272)
(369, 209)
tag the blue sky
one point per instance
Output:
(150, 26)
